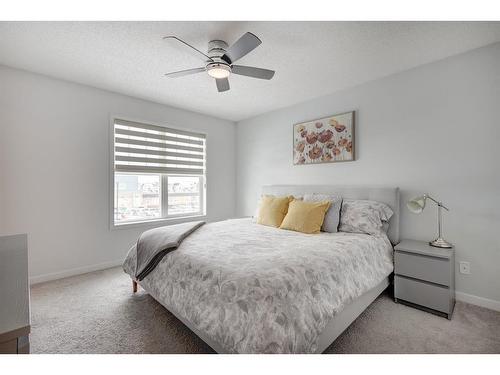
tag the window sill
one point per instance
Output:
(158, 222)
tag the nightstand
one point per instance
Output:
(424, 276)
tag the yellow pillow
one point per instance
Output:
(272, 210)
(305, 217)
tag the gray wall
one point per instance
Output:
(54, 164)
(432, 129)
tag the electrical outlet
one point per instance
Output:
(465, 268)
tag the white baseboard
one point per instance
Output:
(73, 272)
(479, 301)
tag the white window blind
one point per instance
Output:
(144, 148)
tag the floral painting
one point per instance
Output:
(325, 140)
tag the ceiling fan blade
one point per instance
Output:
(187, 44)
(248, 42)
(182, 73)
(251, 71)
(222, 84)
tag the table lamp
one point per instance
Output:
(417, 205)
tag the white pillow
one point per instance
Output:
(332, 217)
(256, 213)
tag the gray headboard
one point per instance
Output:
(387, 195)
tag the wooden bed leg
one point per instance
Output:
(134, 286)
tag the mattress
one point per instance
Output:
(256, 289)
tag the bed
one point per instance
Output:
(247, 288)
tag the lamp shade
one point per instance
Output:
(417, 205)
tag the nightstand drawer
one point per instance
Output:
(429, 295)
(435, 270)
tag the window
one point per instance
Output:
(159, 173)
(137, 197)
(183, 194)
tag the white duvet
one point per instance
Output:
(257, 289)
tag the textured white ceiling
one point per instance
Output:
(311, 59)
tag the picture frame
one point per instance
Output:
(329, 139)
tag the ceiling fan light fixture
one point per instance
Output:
(218, 70)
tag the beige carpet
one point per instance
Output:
(97, 313)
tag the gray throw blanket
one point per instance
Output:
(155, 243)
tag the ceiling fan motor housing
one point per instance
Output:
(217, 48)
(217, 68)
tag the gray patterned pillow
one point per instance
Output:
(332, 217)
(364, 216)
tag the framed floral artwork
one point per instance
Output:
(326, 140)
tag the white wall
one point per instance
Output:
(432, 129)
(54, 165)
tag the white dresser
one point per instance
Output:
(14, 295)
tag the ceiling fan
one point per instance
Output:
(220, 61)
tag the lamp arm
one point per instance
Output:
(437, 202)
